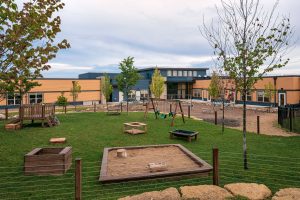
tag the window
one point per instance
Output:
(13, 99)
(248, 96)
(190, 73)
(174, 73)
(197, 93)
(184, 73)
(132, 95)
(261, 97)
(169, 73)
(35, 98)
(179, 73)
(144, 94)
(195, 73)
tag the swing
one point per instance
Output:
(163, 116)
(171, 114)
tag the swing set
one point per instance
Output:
(153, 104)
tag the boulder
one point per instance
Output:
(287, 194)
(252, 191)
(2, 116)
(204, 192)
(167, 194)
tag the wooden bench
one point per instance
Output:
(57, 140)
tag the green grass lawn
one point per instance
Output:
(274, 161)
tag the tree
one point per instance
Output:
(248, 43)
(269, 92)
(75, 90)
(27, 43)
(215, 88)
(157, 84)
(106, 87)
(62, 100)
(128, 77)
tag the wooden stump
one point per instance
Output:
(157, 167)
(121, 153)
(57, 140)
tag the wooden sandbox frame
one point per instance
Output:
(203, 170)
(48, 161)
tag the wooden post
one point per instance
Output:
(6, 113)
(258, 125)
(54, 109)
(215, 166)
(291, 120)
(94, 106)
(121, 107)
(78, 178)
(65, 108)
(170, 107)
(216, 118)
(189, 111)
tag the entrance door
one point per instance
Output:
(281, 99)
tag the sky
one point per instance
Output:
(154, 32)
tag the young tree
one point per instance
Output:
(269, 92)
(75, 90)
(128, 77)
(249, 42)
(62, 100)
(157, 84)
(215, 87)
(106, 87)
(27, 42)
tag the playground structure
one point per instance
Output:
(43, 112)
(154, 104)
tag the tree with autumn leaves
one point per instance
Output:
(27, 43)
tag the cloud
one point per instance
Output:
(62, 67)
(163, 33)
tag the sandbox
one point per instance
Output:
(48, 161)
(176, 159)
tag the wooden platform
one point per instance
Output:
(134, 128)
(57, 140)
(183, 133)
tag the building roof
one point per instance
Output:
(173, 68)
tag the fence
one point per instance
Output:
(81, 181)
(289, 118)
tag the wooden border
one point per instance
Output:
(204, 167)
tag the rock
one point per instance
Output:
(252, 191)
(204, 192)
(167, 194)
(2, 116)
(287, 194)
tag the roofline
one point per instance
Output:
(64, 79)
(173, 68)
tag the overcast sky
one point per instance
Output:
(154, 32)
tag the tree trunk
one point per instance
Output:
(223, 116)
(244, 130)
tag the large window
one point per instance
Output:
(169, 73)
(248, 96)
(197, 93)
(13, 99)
(174, 73)
(35, 98)
(195, 73)
(184, 73)
(261, 97)
(190, 73)
(132, 95)
(179, 73)
(144, 94)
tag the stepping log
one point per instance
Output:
(121, 153)
(57, 140)
(157, 167)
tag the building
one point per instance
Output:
(180, 83)
(51, 88)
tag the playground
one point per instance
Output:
(274, 166)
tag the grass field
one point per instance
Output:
(274, 161)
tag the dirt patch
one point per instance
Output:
(287, 194)
(167, 194)
(137, 161)
(204, 192)
(234, 117)
(246, 190)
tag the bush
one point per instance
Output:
(62, 100)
